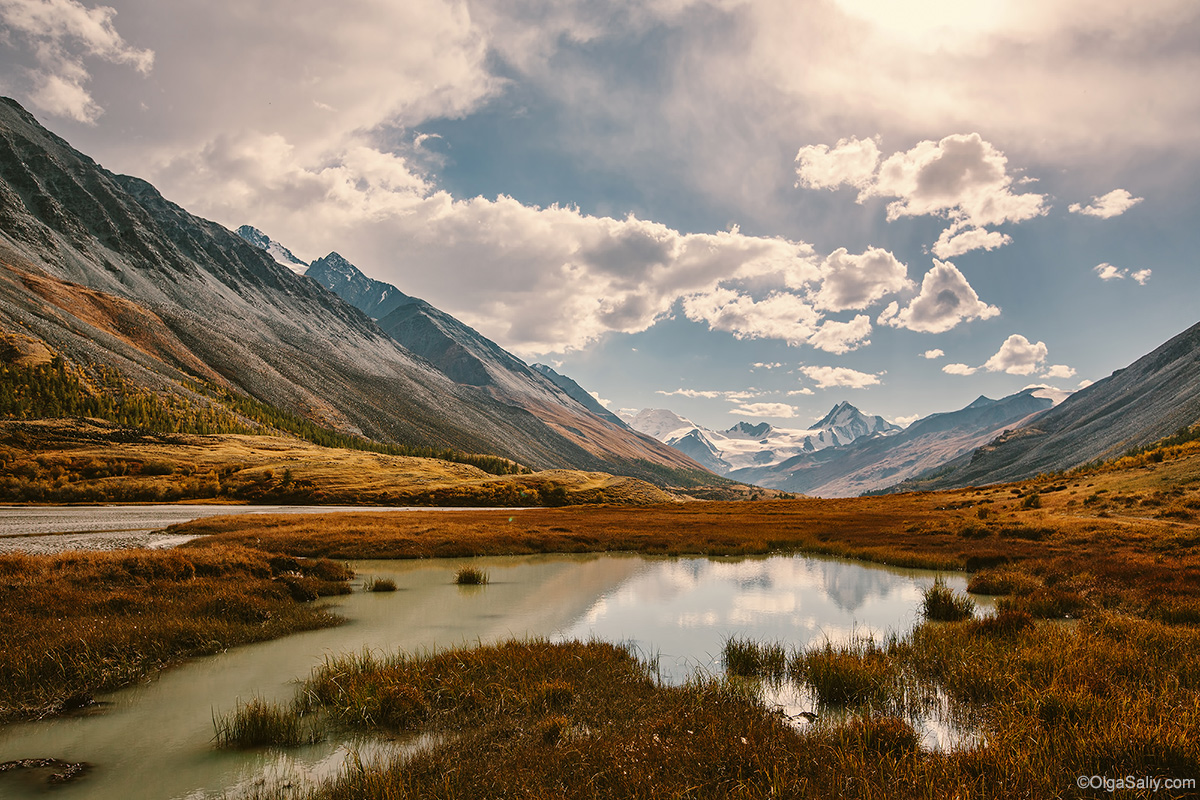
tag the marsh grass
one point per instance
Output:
(746, 658)
(858, 672)
(470, 576)
(377, 584)
(942, 604)
(77, 624)
(258, 723)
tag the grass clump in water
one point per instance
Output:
(470, 576)
(859, 672)
(379, 585)
(943, 604)
(259, 723)
(745, 658)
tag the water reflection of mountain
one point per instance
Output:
(849, 585)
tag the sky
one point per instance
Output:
(734, 209)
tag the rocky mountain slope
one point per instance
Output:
(471, 359)
(101, 269)
(1153, 397)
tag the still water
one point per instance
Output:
(153, 741)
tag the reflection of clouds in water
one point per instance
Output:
(699, 619)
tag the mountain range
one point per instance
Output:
(101, 269)
(847, 452)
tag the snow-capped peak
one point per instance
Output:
(275, 250)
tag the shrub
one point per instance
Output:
(379, 585)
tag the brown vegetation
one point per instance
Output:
(77, 624)
(88, 461)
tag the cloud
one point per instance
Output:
(842, 337)
(764, 365)
(764, 410)
(804, 391)
(61, 34)
(945, 300)
(596, 396)
(1018, 356)
(1059, 371)
(961, 178)
(781, 315)
(904, 422)
(931, 354)
(851, 162)
(710, 395)
(829, 377)
(959, 369)
(857, 281)
(1107, 206)
(1108, 272)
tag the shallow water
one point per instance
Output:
(154, 740)
(53, 529)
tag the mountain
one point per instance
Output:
(281, 254)
(101, 269)
(748, 448)
(374, 298)
(871, 464)
(579, 394)
(470, 359)
(1153, 397)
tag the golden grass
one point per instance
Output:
(48, 461)
(77, 624)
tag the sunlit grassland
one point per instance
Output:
(78, 624)
(48, 461)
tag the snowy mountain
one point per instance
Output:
(748, 445)
(275, 250)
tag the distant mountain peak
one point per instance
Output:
(281, 254)
(840, 414)
(744, 428)
(982, 402)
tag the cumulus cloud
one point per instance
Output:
(829, 377)
(766, 365)
(959, 369)
(1059, 371)
(857, 281)
(804, 391)
(961, 178)
(935, 353)
(1018, 356)
(945, 300)
(904, 422)
(851, 162)
(1107, 206)
(61, 34)
(764, 410)
(1108, 272)
(842, 337)
(781, 315)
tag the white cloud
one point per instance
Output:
(781, 315)
(1107, 206)
(842, 337)
(857, 281)
(961, 178)
(804, 391)
(765, 365)
(851, 162)
(828, 377)
(956, 240)
(61, 34)
(596, 396)
(945, 300)
(1018, 356)
(1059, 371)
(959, 369)
(904, 422)
(1108, 272)
(764, 410)
(931, 354)
(710, 395)
(1083, 384)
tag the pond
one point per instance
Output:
(154, 740)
